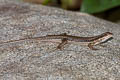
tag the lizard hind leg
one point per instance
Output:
(61, 45)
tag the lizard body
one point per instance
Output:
(91, 41)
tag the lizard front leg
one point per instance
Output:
(90, 45)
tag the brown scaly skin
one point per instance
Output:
(91, 41)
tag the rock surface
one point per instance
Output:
(35, 60)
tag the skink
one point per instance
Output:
(91, 41)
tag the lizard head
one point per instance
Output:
(107, 36)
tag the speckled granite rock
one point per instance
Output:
(35, 60)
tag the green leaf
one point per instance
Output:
(94, 6)
(66, 3)
(45, 2)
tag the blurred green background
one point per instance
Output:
(106, 9)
